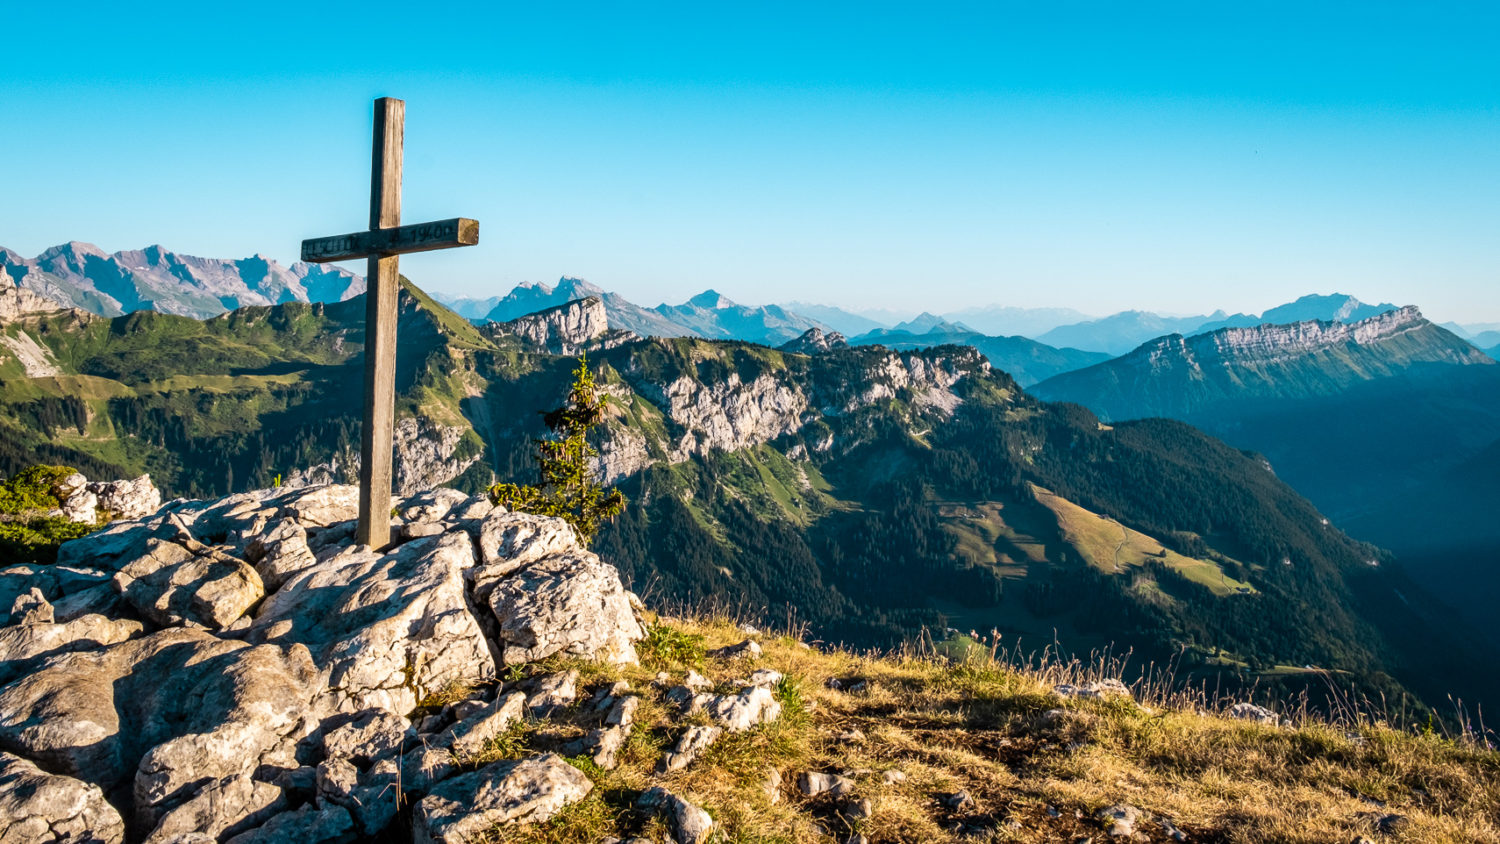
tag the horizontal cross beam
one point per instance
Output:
(419, 237)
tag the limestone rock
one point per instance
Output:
(1251, 712)
(221, 809)
(280, 552)
(54, 582)
(36, 806)
(307, 825)
(527, 790)
(563, 329)
(553, 692)
(748, 649)
(372, 795)
(469, 736)
(22, 644)
(1096, 690)
(1119, 820)
(127, 499)
(569, 603)
(422, 767)
(171, 585)
(772, 785)
(689, 747)
(387, 629)
(322, 506)
(753, 706)
(170, 710)
(433, 505)
(31, 608)
(368, 737)
(690, 824)
(511, 541)
(814, 783)
(79, 504)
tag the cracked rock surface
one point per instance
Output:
(239, 670)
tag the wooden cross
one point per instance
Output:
(385, 240)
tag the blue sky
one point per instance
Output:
(1174, 157)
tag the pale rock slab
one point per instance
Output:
(434, 505)
(54, 582)
(22, 645)
(553, 692)
(172, 585)
(814, 783)
(307, 825)
(1251, 712)
(1096, 690)
(690, 824)
(387, 629)
(689, 747)
(221, 809)
(279, 553)
(36, 806)
(753, 706)
(509, 542)
(529, 790)
(571, 604)
(166, 710)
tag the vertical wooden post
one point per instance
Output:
(380, 331)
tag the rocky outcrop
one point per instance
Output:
(814, 341)
(566, 329)
(98, 501)
(425, 454)
(15, 303)
(254, 678)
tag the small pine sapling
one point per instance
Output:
(568, 488)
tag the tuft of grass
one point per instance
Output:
(667, 647)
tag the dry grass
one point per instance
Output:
(982, 726)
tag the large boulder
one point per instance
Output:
(164, 714)
(571, 603)
(529, 790)
(387, 629)
(171, 585)
(36, 806)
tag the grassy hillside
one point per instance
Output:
(914, 729)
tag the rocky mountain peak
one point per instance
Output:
(711, 300)
(815, 340)
(565, 329)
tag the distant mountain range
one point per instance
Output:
(1025, 360)
(1387, 424)
(81, 275)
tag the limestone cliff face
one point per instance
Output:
(17, 302)
(733, 412)
(426, 454)
(1178, 376)
(1277, 343)
(564, 330)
